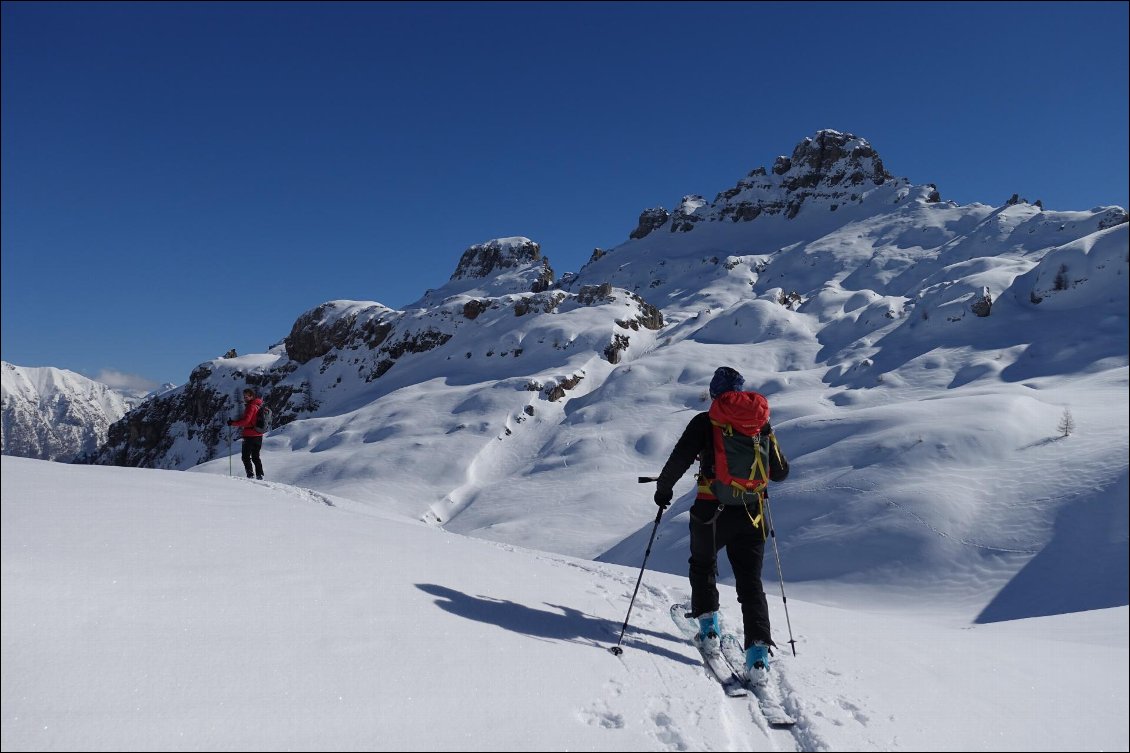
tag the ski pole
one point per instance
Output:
(229, 451)
(780, 575)
(616, 650)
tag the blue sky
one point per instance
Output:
(181, 179)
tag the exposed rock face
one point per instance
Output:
(499, 266)
(684, 218)
(557, 391)
(485, 259)
(649, 317)
(1114, 216)
(983, 305)
(791, 300)
(590, 294)
(833, 167)
(545, 303)
(144, 433)
(650, 219)
(618, 345)
(419, 342)
(335, 325)
(544, 281)
(831, 159)
(368, 335)
(472, 309)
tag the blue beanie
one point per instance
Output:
(725, 380)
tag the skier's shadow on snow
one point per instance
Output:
(567, 624)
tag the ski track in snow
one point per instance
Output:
(641, 699)
(740, 719)
(298, 492)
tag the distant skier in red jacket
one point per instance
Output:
(252, 440)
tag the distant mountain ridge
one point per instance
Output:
(55, 414)
(840, 291)
(503, 280)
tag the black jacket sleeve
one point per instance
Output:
(695, 439)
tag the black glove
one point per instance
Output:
(663, 497)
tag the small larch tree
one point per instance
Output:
(1066, 423)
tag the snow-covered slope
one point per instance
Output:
(154, 610)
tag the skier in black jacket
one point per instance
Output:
(719, 519)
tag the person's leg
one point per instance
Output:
(245, 455)
(704, 558)
(746, 551)
(256, 448)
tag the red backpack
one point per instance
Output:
(741, 455)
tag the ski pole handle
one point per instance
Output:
(647, 479)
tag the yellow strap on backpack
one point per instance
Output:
(760, 515)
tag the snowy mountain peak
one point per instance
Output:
(830, 158)
(498, 267)
(484, 259)
(829, 168)
(55, 414)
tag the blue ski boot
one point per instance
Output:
(709, 638)
(757, 663)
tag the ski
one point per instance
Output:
(767, 693)
(716, 664)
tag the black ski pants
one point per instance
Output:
(250, 454)
(731, 528)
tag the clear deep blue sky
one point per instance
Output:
(181, 179)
